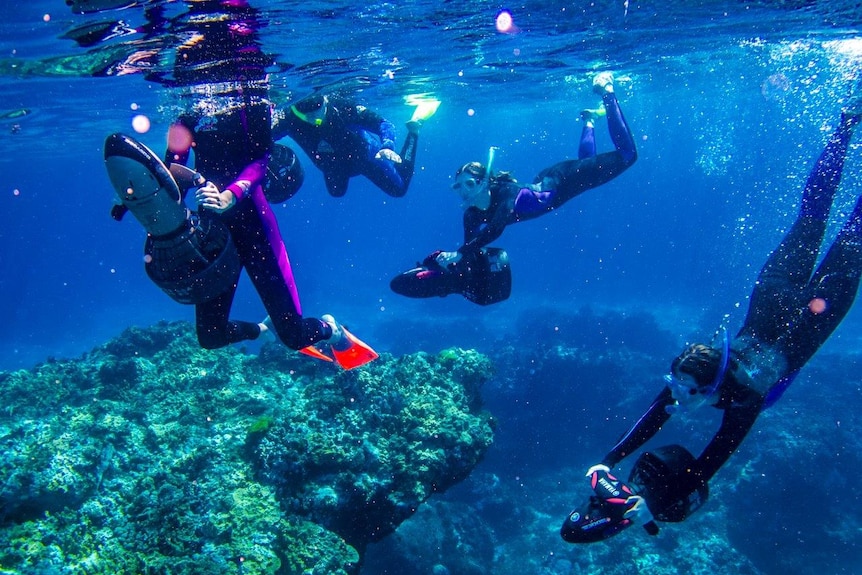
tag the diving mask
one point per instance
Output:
(687, 393)
(315, 116)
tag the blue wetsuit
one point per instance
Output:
(782, 331)
(512, 202)
(346, 143)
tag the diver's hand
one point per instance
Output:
(446, 259)
(209, 197)
(597, 467)
(388, 154)
(637, 510)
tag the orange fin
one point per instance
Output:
(315, 353)
(359, 352)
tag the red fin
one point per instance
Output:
(359, 352)
(315, 353)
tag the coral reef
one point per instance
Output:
(151, 455)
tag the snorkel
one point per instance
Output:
(484, 187)
(688, 395)
(473, 182)
(722, 367)
(492, 151)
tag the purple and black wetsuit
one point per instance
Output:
(793, 310)
(222, 143)
(346, 143)
(512, 202)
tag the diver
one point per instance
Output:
(793, 310)
(345, 139)
(228, 129)
(492, 201)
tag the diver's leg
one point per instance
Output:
(336, 182)
(831, 292)
(392, 178)
(788, 269)
(587, 144)
(262, 251)
(214, 329)
(570, 178)
(619, 130)
(408, 157)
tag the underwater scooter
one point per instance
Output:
(659, 480)
(483, 278)
(190, 256)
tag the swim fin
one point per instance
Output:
(424, 110)
(355, 352)
(315, 353)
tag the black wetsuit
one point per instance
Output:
(512, 202)
(346, 143)
(782, 331)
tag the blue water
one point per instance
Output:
(730, 103)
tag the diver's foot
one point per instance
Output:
(413, 126)
(348, 350)
(589, 116)
(603, 83)
(266, 330)
(337, 339)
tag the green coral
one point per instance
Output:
(260, 425)
(150, 454)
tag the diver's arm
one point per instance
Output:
(374, 122)
(735, 425)
(477, 237)
(646, 426)
(220, 201)
(250, 177)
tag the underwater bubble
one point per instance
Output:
(179, 138)
(504, 22)
(141, 124)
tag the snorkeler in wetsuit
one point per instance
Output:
(794, 308)
(345, 139)
(493, 201)
(221, 71)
